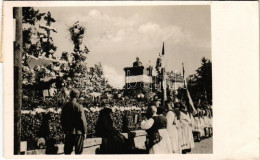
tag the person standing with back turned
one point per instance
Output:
(74, 124)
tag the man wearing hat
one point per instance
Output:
(74, 124)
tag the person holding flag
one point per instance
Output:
(188, 110)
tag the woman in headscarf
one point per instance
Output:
(112, 141)
(157, 141)
(172, 128)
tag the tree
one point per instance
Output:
(200, 84)
(31, 42)
(31, 16)
(78, 65)
(47, 45)
(36, 43)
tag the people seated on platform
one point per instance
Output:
(113, 142)
(157, 140)
(137, 63)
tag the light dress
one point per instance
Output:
(210, 122)
(197, 125)
(202, 126)
(190, 134)
(206, 121)
(173, 132)
(184, 121)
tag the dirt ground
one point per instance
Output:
(203, 147)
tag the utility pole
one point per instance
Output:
(18, 48)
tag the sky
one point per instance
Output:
(116, 35)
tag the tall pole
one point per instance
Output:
(18, 47)
(163, 83)
(163, 87)
(183, 72)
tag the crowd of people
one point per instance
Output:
(170, 129)
(183, 128)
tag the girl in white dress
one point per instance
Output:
(210, 123)
(172, 129)
(203, 124)
(206, 123)
(178, 125)
(187, 123)
(184, 121)
(197, 125)
(190, 134)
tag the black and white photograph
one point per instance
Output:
(113, 80)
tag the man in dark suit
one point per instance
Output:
(74, 124)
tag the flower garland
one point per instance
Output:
(91, 109)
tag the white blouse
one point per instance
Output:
(147, 124)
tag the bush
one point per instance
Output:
(47, 125)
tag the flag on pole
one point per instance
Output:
(164, 96)
(163, 49)
(162, 57)
(183, 71)
(190, 100)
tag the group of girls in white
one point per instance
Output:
(174, 129)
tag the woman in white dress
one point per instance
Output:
(171, 128)
(187, 123)
(178, 125)
(197, 126)
(190, 134)
(184, 121)
(206, 123)
(202, 122)
(158, 140)
(210, 123)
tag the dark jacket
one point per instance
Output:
(160, 122)
(73, 119)
(104, 126)
(153, 136)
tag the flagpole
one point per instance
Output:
(191, 105)
(163, 83)
(183, 72)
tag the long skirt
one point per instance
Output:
(180, 139)
(113, 145)
(197, 126)
(190, 138)
(164, 146)
(202, 126)
(210, 122)
(185, 135)
(173, 133)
